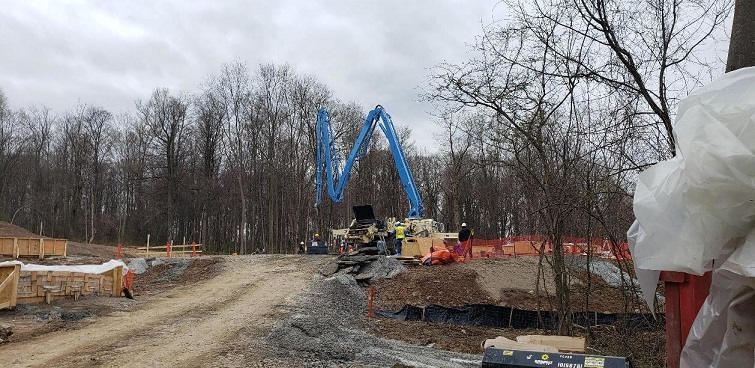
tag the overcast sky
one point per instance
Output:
(110, 54)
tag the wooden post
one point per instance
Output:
(9, 286)
(184, 241)
(193, 249)
(167, 249)
(117, 281)
(15, 248)
(41, 248)
(65, 248)
(147, 245)
(14, 287)
(118, 252)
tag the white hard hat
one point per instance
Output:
(463, 224)
(301, 243)
(398, 223)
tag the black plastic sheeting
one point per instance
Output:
(506, 317)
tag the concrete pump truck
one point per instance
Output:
(365, 229)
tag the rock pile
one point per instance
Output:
(322, 330)
(5, 332)
(365, 265)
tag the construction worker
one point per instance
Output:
(317, 246)
(464, 237)
(399, 237)
(301, 248)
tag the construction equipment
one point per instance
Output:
(509, 358)
(327, 158)
(366, 229)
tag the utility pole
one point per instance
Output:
(742, 43)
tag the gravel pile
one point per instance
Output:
(606, 270)
(175, 267)
(321, 332)
(138, 265)
(365, 265)
(5, 332)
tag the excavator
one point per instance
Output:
(365, 229)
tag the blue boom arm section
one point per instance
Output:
(327, 158)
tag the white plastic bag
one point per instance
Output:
(696, 213)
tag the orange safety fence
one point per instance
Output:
(533, 244)
(128, 280)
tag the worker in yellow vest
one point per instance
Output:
(399, 237)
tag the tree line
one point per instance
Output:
(230, 165)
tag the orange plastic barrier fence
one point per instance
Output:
(128, 281)
(534, 244)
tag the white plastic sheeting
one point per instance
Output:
(100, 268)
(696, 213)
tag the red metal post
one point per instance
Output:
(118, 252)
(369, 303)
(129, 280)
(167, 249)
(685, 294)
(193, 249)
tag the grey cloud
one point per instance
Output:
(113, 53)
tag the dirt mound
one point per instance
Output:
(167, 273)
(511, 273)
(506, 282)
(449, 285)
(14, 231)
(106, 252)
(603, 297)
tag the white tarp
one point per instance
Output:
(696, 213)
(100, 268)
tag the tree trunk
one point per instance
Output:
(242, 230)
(742, 44)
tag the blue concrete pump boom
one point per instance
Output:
(327, 157)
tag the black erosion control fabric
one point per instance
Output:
(506, 317)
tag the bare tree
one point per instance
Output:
(165, 117)
(233, 89)
(648, 49)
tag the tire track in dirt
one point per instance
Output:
(182, 327)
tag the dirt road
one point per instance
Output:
(188, 326)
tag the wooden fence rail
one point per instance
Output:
(32, 247)
(170, 251)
